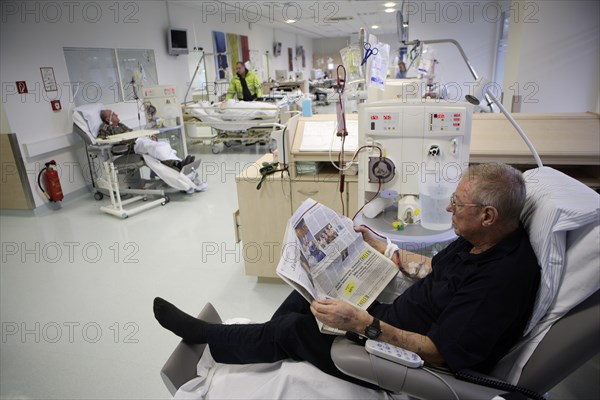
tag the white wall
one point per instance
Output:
(329, 47)
(33, 34)
(291, 40)
(440, 20)
(553, 56)
(260, 37)
(464, 22)
(552, 59)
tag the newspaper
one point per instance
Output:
(323, 257)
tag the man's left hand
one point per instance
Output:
(340, 315)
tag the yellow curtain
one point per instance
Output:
(233, 47)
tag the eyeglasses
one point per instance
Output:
(454, 204)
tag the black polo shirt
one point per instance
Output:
(474, 307)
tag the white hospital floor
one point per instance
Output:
(77, 287)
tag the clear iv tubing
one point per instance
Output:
(374, 146)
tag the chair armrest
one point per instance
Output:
(564, 348)
(181, 365)
(353, 360)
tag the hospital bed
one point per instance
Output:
(111, 170)
(562, 217)
(235, 121)
(324, 90)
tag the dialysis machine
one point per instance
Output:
(414, 152)
(163, 112)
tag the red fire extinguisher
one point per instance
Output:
(53, 189)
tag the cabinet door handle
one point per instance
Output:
(236, 226)
(310, 193)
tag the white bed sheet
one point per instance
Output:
(176, 179)
(235, 111)
(285, 379)
(280, 380)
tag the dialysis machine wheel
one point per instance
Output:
(98, 196)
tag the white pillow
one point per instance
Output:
(555, 205)
(560, 213)
(91, 114)
(80, 122)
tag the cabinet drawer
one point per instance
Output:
(326, 193)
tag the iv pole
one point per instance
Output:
(194, 76)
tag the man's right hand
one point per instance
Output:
(369, 237)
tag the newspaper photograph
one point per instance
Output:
(323, 257)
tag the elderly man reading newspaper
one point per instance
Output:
(465, 314)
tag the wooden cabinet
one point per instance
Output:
(569, 142)
(262, 218)
(352, 198)
(324, 191)
(263, 213)
(323, 187)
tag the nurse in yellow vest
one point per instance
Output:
(245, 85)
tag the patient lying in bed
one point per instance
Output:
(224, 115)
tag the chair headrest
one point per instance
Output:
(91, 115)
(557, 205)
(562, 217)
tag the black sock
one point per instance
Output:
(183, 325)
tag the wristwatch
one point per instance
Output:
(373, 331)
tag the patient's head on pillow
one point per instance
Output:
(109, 117)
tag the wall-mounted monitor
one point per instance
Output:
(177, 41)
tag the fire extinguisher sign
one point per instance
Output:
(22, 87)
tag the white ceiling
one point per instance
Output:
(315, 19)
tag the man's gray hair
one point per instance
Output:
(105, 116)
(500, 186)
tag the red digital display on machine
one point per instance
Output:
(374, 117)
(386, 117)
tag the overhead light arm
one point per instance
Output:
(482, 89)
(510, 118)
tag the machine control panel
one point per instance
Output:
(451, 121)
(384, 121)
(415, 120)
(415, 140)
(159, 91)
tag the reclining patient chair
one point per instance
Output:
(112, 170)
(562, 217)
